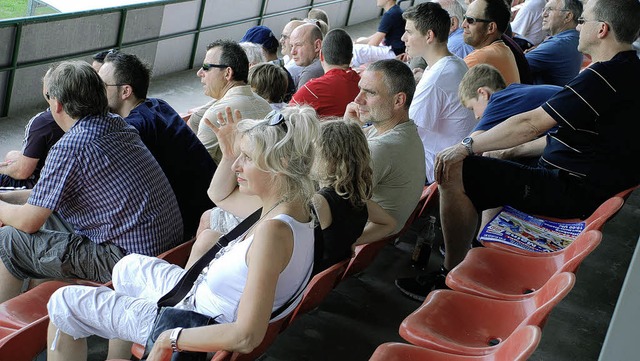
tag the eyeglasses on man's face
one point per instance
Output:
(471, 20)
(207, 67)
(582, 20)
(550, 9)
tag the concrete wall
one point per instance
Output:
(78, 38)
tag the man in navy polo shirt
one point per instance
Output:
(590, 158)
(181, 155)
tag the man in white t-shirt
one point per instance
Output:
(436, 109)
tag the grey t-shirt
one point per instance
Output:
(398, 169)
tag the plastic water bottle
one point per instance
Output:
(422, 250)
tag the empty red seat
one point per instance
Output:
(465, 324)
(509, 276)
(518, 347)
(596, 221)
(28, 307)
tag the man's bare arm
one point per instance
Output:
(22, 167)
(26, 217)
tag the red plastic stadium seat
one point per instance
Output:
(318, 289)
(518, 347)
(178, 255)
(24, 321)
(364, 254)
(594, 222)
(464, 324)
(508, 276)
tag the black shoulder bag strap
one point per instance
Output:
(185, 284)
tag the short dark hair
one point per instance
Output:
(430, 16)
(129, 69)
(233, 56)
(574, 7)
(499, 12)
(398, 77)
(77, 86)
(99, 56)
(337, 48)
(622, 16)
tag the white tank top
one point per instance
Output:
(219, 294)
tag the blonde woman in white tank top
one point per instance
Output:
(269, 166)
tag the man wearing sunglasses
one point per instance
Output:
(224, 76)
(592, 156)
(557, 60)
(483, 26)
(182, 157)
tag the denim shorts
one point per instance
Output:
(56, 252)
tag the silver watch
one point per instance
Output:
(468, 143)
(173, 338)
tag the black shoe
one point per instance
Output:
(442, 249)
(419, 287)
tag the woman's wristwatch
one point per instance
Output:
(173, 338)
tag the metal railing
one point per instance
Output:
(18, 24)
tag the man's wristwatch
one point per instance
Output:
(173, 338)
(468, 143)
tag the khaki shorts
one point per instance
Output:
(56, 252)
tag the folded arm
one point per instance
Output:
(20, 167)
(25, 217)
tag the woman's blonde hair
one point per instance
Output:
(286, 148)
(344, 161)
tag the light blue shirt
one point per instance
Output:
(457, 46)
(556, 60)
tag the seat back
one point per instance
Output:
(178, 255)
(520, 345)
(24, 321)
(549, 296)
(517, 347)
(318, 288)
(604, 213)
(272, 333)
(26, 343)
(363, 256)
(579, 249)
(627, 192)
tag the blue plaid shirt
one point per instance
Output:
(102, 179)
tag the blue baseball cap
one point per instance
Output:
(261, 35)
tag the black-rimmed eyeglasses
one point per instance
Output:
(207, 67)
(470, 20)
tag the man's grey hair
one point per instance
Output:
(77, 86)
(574, 7)
(454, 8)
(397, 76)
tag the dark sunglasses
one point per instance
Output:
(207, 67)
(276, 118)
(471, 20)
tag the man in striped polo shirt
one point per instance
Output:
(592, 156)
